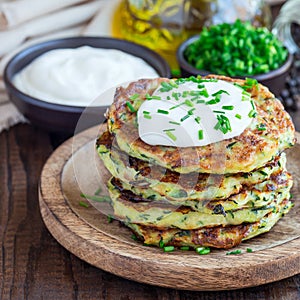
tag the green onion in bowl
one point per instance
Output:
(237, 49)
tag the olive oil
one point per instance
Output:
(162, 25)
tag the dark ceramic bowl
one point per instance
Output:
(64, 118)
(274, 80)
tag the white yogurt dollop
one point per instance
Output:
(77, 76)
(194, 113)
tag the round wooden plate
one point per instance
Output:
(75, 168)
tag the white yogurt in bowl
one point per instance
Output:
(76, 76)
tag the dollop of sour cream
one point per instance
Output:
(76, 76)
(186, 113)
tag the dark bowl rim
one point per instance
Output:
(260, 77)
(53, 44)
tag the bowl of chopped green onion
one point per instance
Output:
(237, 50)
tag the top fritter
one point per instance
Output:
(265, 127)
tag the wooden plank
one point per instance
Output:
(84, 232)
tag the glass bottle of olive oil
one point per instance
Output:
(162, 25)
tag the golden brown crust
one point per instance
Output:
(252, 149)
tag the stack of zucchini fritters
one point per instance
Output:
(215, 195)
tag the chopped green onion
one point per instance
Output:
(83, 204)
(185, 248)
(134, 237)
(176, 95)
(234, 252)
(200, 134)
(223, 124)
(238, 49)
(228, 107)
(220, 92)
(171, 135)
(252, 113)
(263, 173)
(203, 250)
(249, 250)
(219, 112)
(96, 198)
(146, 112)
(261, 127)
(174, 123)
(198, 119)
(110, 218)
(188, 103)
(162, 111)
(167, 86)
(184, 118)
(147, 117)
(169, 248)
(238, 116)
(161, 243)
(171, 129)
(175, 106)
(129, 105)
(134, 96)
(191, 111)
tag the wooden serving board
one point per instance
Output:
(75, 168)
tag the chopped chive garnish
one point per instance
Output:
(171, 135)
(83, 204)
(200, 134)
(184, 248)
(261, 127)
(97, 198)
(134, 96)
(98, 191)
(185, 94)
(171, 129)
(249, 250)
(129, 105)
(252, 113)
(211, 102)
(147, 117)
(188, 103)
(169, 248)
(161, 243)
(263, 173)
(203, 250)
(238, 85)
(245, 93)
(223, 124)
(162, 111)
(252, 104)
(110, 218)
(234, 252)
(191, 111)
(174, 123)
(219, 112)
(176, 95)
(175, 106)
(200, 101)
(154, 98)
(238, 116)
(145, 112)
(134, 237)
(168, 98)
(228, 107)
(220, 92)
(184, 118)
(198, 119)
(167, 86)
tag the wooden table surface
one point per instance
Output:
(33, 265)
